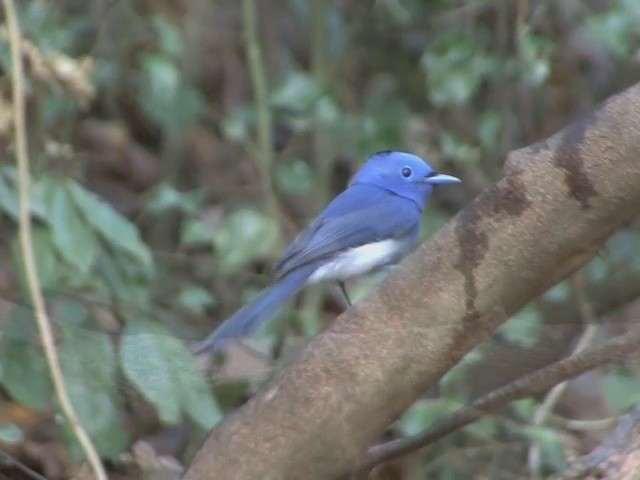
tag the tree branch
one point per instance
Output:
(26, 245)
(562, 325)
(556, 205)
(615, 350)
(14, 462)
(555, 394)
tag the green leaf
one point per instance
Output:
(145, 363)
(615, 28)
(169, 36)
(121, 278)
(524, 327)
(558, 293)
(25, 374)
(456, 64)
(195, 298)
(113, 227)
(196, 398)
(598, 269)
(449, 472)
(237, 125)
(535, 59)
(244, 236)
(621, 391)
(461, 369)
(165, 91)
(551, 446)
(10, 433)
(489, 127)
(295, 177)
(418, 417)
(163, 78)
(166, 197)
(484, 427)
(39, 202)
(44, 26)
(422, 414)
(46, 257)
(297, 93)
(89, 365)
(164, 371)
(622, 249)
(326, 111)
(453, 147)
(70, 233)
(195, 233)
(525, 408)
(9, 195)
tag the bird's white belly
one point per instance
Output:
(358, 261)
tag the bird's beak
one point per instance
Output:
(441, 179)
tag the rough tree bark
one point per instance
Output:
(559, 200)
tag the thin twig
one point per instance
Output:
(583, 425)
(615, 457)
(612, 351)
(554, 395)
(9, 460)
(260, 87)
(33, 282)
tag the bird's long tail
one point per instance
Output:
(259, 310)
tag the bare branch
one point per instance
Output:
(10, 461)
(553, 396)
(615, 350)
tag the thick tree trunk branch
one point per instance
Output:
(558, 202)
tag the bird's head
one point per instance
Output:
(402, 173)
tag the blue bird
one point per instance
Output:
(369, 226)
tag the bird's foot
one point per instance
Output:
(343, 289)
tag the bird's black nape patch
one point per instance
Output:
(383, 153)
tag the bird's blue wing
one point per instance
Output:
(360, 215)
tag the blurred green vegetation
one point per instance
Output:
(152, 221)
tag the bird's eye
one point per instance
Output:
(406, 172)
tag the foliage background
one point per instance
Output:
(166, 185)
